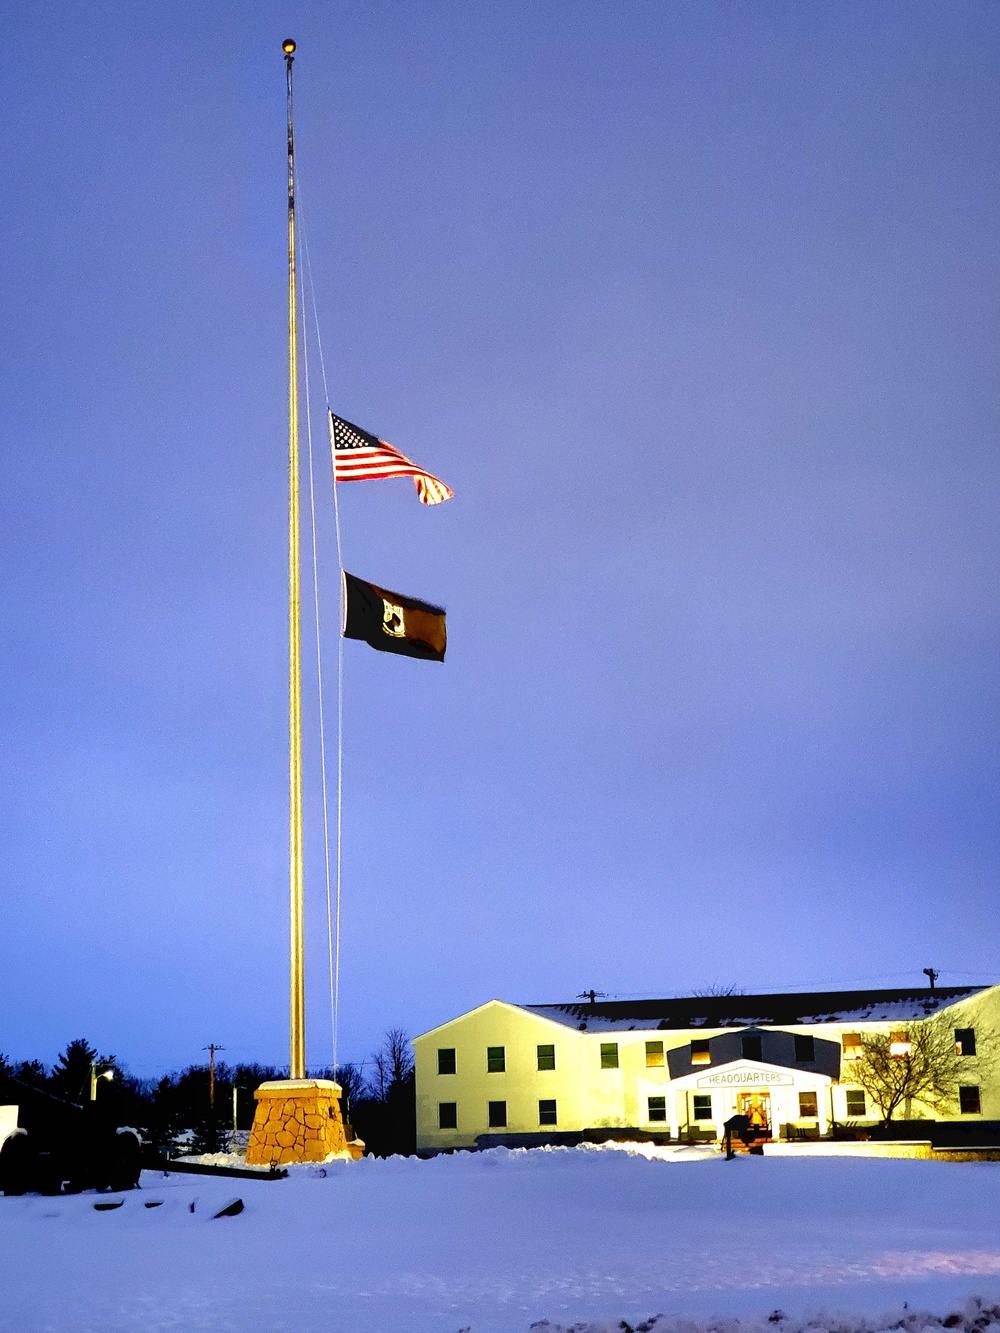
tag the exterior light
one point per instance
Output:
(288, 46)
(95, 1074)
(899, 1044)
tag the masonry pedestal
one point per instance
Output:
(299, 1120)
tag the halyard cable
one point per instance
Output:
(332, 920)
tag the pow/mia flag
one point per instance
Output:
(391, 622)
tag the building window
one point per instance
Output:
(496, 1059)
(447, 1115)
(654, 1054)
(446, 1060)
(808, 1106)
(546, 1057)
(899, 1044)
(965, 1041)
(751, 1048)
(805, 1049)
(700, 1054)
(498, 1115)
(657, 1108)
(609, 1055)
(968, 1101)
(852, 1045)
(547, 1113)
(856, 1102)
(701, 1106)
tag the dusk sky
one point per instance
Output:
(694, 305)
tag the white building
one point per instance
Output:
(679, 1068)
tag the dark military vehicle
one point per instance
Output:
(60, 1145)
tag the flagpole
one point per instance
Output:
(297, 1063)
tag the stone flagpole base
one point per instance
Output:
(299, 1120)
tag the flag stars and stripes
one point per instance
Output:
(359, 456)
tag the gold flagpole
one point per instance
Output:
(297, 1119)
(297, 1064)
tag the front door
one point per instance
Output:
(756, 1106)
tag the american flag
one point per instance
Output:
(358, 456)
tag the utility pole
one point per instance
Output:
(211, 1048)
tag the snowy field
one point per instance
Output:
(502, 1241)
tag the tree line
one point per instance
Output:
(190, 1111)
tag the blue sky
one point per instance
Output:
(694, 305)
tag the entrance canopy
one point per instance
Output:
(742, 1075)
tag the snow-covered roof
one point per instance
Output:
(722, 1011)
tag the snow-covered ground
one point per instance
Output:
(497, 1242)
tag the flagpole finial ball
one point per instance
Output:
(288, 46)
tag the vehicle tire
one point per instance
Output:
(126, 1161)
(18, 1165)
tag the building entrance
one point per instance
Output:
(756, 1106)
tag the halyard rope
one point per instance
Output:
(332, 917)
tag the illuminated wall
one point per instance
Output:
(591, 1088)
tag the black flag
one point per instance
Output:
(391, 622)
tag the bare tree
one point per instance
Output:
(926, 1073)
(399, 1055)
(719, 988)
(392, 1064)
(352, 1086)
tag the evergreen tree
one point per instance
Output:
(71, 1071)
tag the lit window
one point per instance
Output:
(547, 1113)
(965, 1041)
(546, 1057)
(751, 1048)
(657, 1108)
(968, 1101)
(701, 1105)
(447, 1115)
(852, 1045)
(899, 1044)
(808, 1106)
(496, 1059)
(654, 1054)
(446, 1060)
(700, 1054)
(609, 1055)
(498, 1115)
(805, 1049)
(856, 1102)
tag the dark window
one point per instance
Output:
(657, 1108)
(609, 1055)
(856, 1102)
(498, 1115)
(547, 1113)
(700, 1054)
(447, 1115)
(808, 1106)
(965, 1041)
(446, 1060)
(654, 1054)
(546, 1057)
(968, 1101)
(751, 1048)
(805, 1049)
(496, 1059)
(702, 1106)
